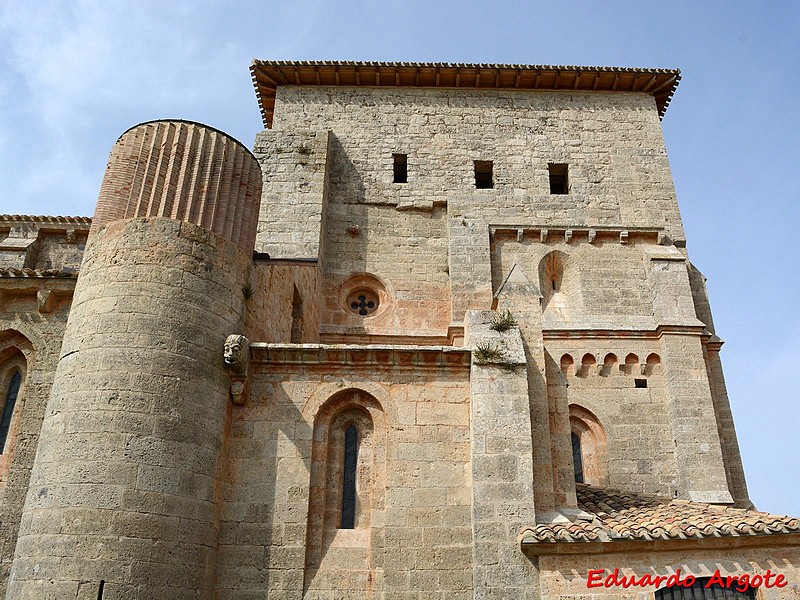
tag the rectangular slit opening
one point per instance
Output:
(400, 168)
(640, 383)
(559, 183)
(483, 174)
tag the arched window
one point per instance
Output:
(698, 591)
(349, 478)
(577, 458)
(589, 453)
(347, 483)
(8, 408)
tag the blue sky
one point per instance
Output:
(76, 74)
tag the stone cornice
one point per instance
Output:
(586, 233)
(366, 356)
(695, 330)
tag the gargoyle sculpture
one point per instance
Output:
(237, 357)
(237, 354)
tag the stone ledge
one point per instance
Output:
(591, 234)
(354, 355)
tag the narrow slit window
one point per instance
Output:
(400, 168)
(559, 183)
(483, 174)
(8, 408)
(577, 458)
(297, 317)
(349, 478)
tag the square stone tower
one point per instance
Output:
(470, 357)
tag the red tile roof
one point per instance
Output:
(618, 516)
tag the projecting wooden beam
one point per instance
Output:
(267, 77)
(647, 85)
(666, 84)
(283, 77)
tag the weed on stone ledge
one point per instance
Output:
(503, 321)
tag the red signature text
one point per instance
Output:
(740, 583)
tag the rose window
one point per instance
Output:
(362, 302)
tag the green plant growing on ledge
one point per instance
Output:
(486, 353)
(503, 321)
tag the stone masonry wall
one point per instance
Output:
(276, 289)
(640, 452)
(604, 283)
(294, 166)
(406, 251)
(613, 143)
(33, 314)
(419, 537)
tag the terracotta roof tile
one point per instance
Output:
(26, 272)
(625, 516)
(47, 219)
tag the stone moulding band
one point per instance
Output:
(545, 233)
(353, 355)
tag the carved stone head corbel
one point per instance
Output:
(237, 358)
(237, 354)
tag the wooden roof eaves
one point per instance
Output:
(268, 75)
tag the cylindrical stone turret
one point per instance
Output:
(124, 492)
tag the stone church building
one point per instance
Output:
(437, 337)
